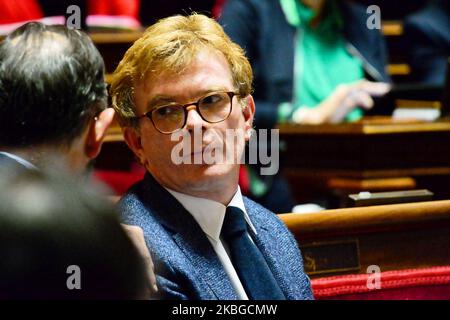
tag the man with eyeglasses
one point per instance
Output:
(207, 240)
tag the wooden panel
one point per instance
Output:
(390, 184)
(393, 237)
(369, 125)
(113, 45)
(413, 153)
(115, 37)
(114, 134)
(391, 28)
(367, 219)
(398, 69)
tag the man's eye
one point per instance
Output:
(214, 98)
(164, 111)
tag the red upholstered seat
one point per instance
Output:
(18, 11)
(217, 9)
(119, 181)
(412, 284)
(114, 7)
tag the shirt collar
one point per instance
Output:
(210, 214)
(20, 160)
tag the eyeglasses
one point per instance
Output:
(213, 108)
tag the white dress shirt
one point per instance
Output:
(209, 215)
(20, 160)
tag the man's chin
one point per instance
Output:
(209, 170)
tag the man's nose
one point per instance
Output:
(193, 118)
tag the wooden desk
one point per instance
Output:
(372, 155)
(393, 237)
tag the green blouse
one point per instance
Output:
(321, 60)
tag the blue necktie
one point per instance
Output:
(250, 265)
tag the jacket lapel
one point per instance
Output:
(199, 251)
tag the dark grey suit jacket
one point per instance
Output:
(7, 163)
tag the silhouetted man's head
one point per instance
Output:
(59, 240)
(52, 92)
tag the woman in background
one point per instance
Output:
(308, 55)
(312, 62)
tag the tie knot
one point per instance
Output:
(234, 222)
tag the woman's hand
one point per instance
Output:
(342, 101)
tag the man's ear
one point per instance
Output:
(97, 132)
(248, 109)
(133, 139)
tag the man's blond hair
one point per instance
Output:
(170, 46)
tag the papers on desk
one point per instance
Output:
(422, 110)
(307, 208)
(425, 114)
